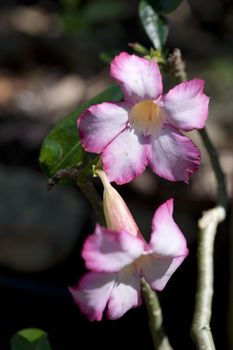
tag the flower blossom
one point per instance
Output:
(144, 129)
(117, 260)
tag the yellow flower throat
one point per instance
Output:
(146, 117)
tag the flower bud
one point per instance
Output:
(116, 212)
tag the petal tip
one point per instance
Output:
(170, 204)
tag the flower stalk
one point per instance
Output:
(208, 224)
(201, 331)
(88, 190)
(155, 316)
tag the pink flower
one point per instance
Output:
(117, 261)
(145, 128)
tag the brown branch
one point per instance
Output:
(71, 173)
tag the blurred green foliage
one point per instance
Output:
(80, 15)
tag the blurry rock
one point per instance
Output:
(6, 89)
(50, 96)
(65, 94)
(37, 228)
(35, 21)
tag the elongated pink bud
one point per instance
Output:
(116, 212)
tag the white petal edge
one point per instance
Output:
(138, 77)
(173, 155)
(100, 124)
(92, 294)
(125, 294)
(166, 238)
(186, 106)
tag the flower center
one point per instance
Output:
(146, 117)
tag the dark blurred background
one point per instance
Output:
(52, 58)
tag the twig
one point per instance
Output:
(200, 330)
(69, 172)
(89, 191)
(220, 178)
(208, 224)
(160, 340)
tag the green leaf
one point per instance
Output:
(104, 10)
(62, 148)
(155, 25)
(30, 339)
(164, 6)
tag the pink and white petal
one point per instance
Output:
(138, 77)
(186, 106)
(125, 157)
(157, 271)
(110, 251)
(173, 155)
(166, 237)
(92, 294)
(125, 294)
(100, 124)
